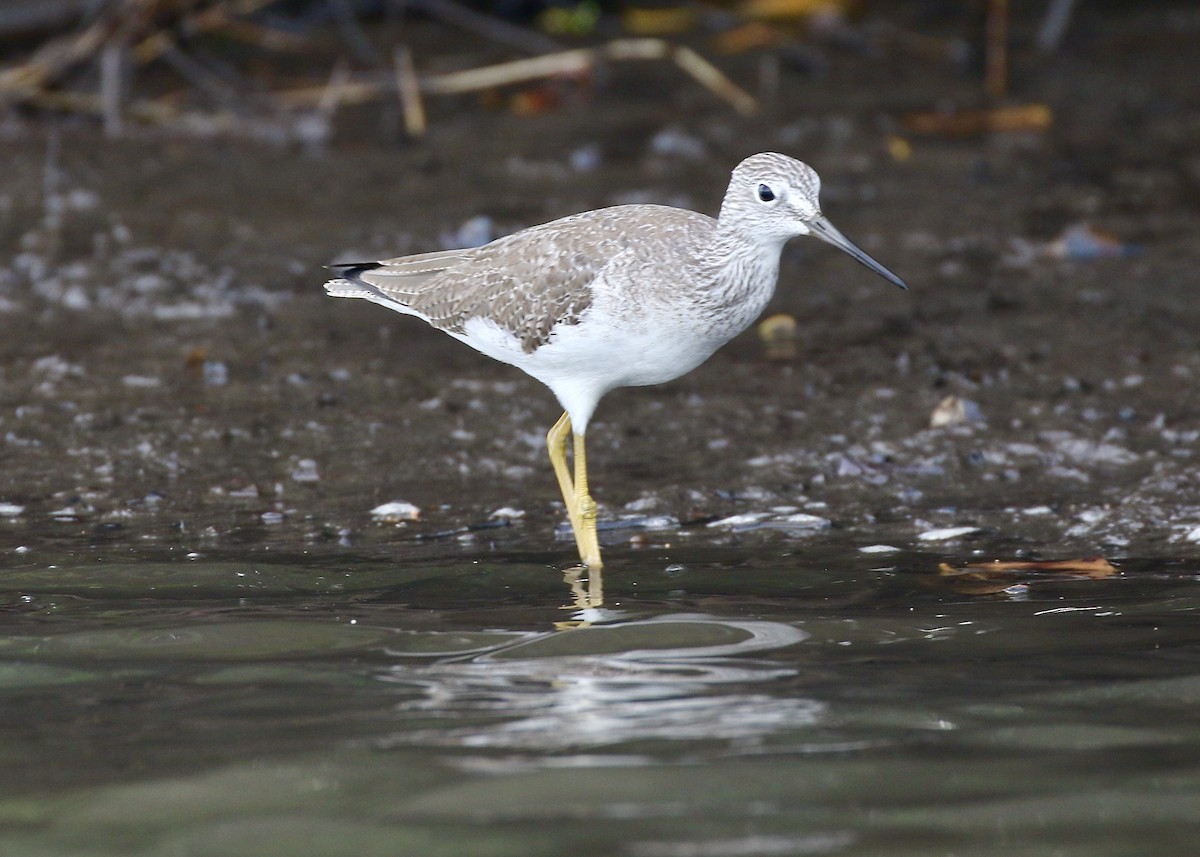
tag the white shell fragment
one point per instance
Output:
(955, 411)
(800, 521)
(879, 549)
(508, 513)
(395, 512)
(945, 534)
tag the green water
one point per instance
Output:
(718, 703)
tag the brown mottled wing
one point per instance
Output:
(527, 282)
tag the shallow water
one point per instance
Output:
(720, 702)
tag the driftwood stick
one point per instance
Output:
(562, 64)
(713, 79)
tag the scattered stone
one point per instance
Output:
(476, 232)
(641, 522)
(799, 521)
(778, 334)
(675, 143)
(10, 510)
(1081, 242)
(216, 373)
(586, 158)
(1083, 451)
(306, 471)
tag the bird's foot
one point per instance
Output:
(585, 533)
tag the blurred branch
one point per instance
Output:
(491, 28)
(119, 36)
(1054, 25)
(572, 63)
(581, 60)
(36, 16)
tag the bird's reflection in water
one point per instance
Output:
(587, 598)
(674, 677)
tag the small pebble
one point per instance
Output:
(475, 232)
(216, 373)
(675, 143)
(586, 158)
(306, 471)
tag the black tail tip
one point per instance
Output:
(351, 270)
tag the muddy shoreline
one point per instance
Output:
(173, 377)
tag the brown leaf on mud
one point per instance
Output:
(969, 123)
(794, 9)
(658, 21)
(751, 36)
(1096, 567)
(193, 361)
(988, 578)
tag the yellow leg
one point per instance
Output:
(556, 442)
(581, 509)
(589, 544)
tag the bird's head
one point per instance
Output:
(772, 198)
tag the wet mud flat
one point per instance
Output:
(173, 376)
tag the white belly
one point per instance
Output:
(582, 362)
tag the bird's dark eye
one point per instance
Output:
(765, 193)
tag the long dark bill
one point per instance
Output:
(827, 232)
